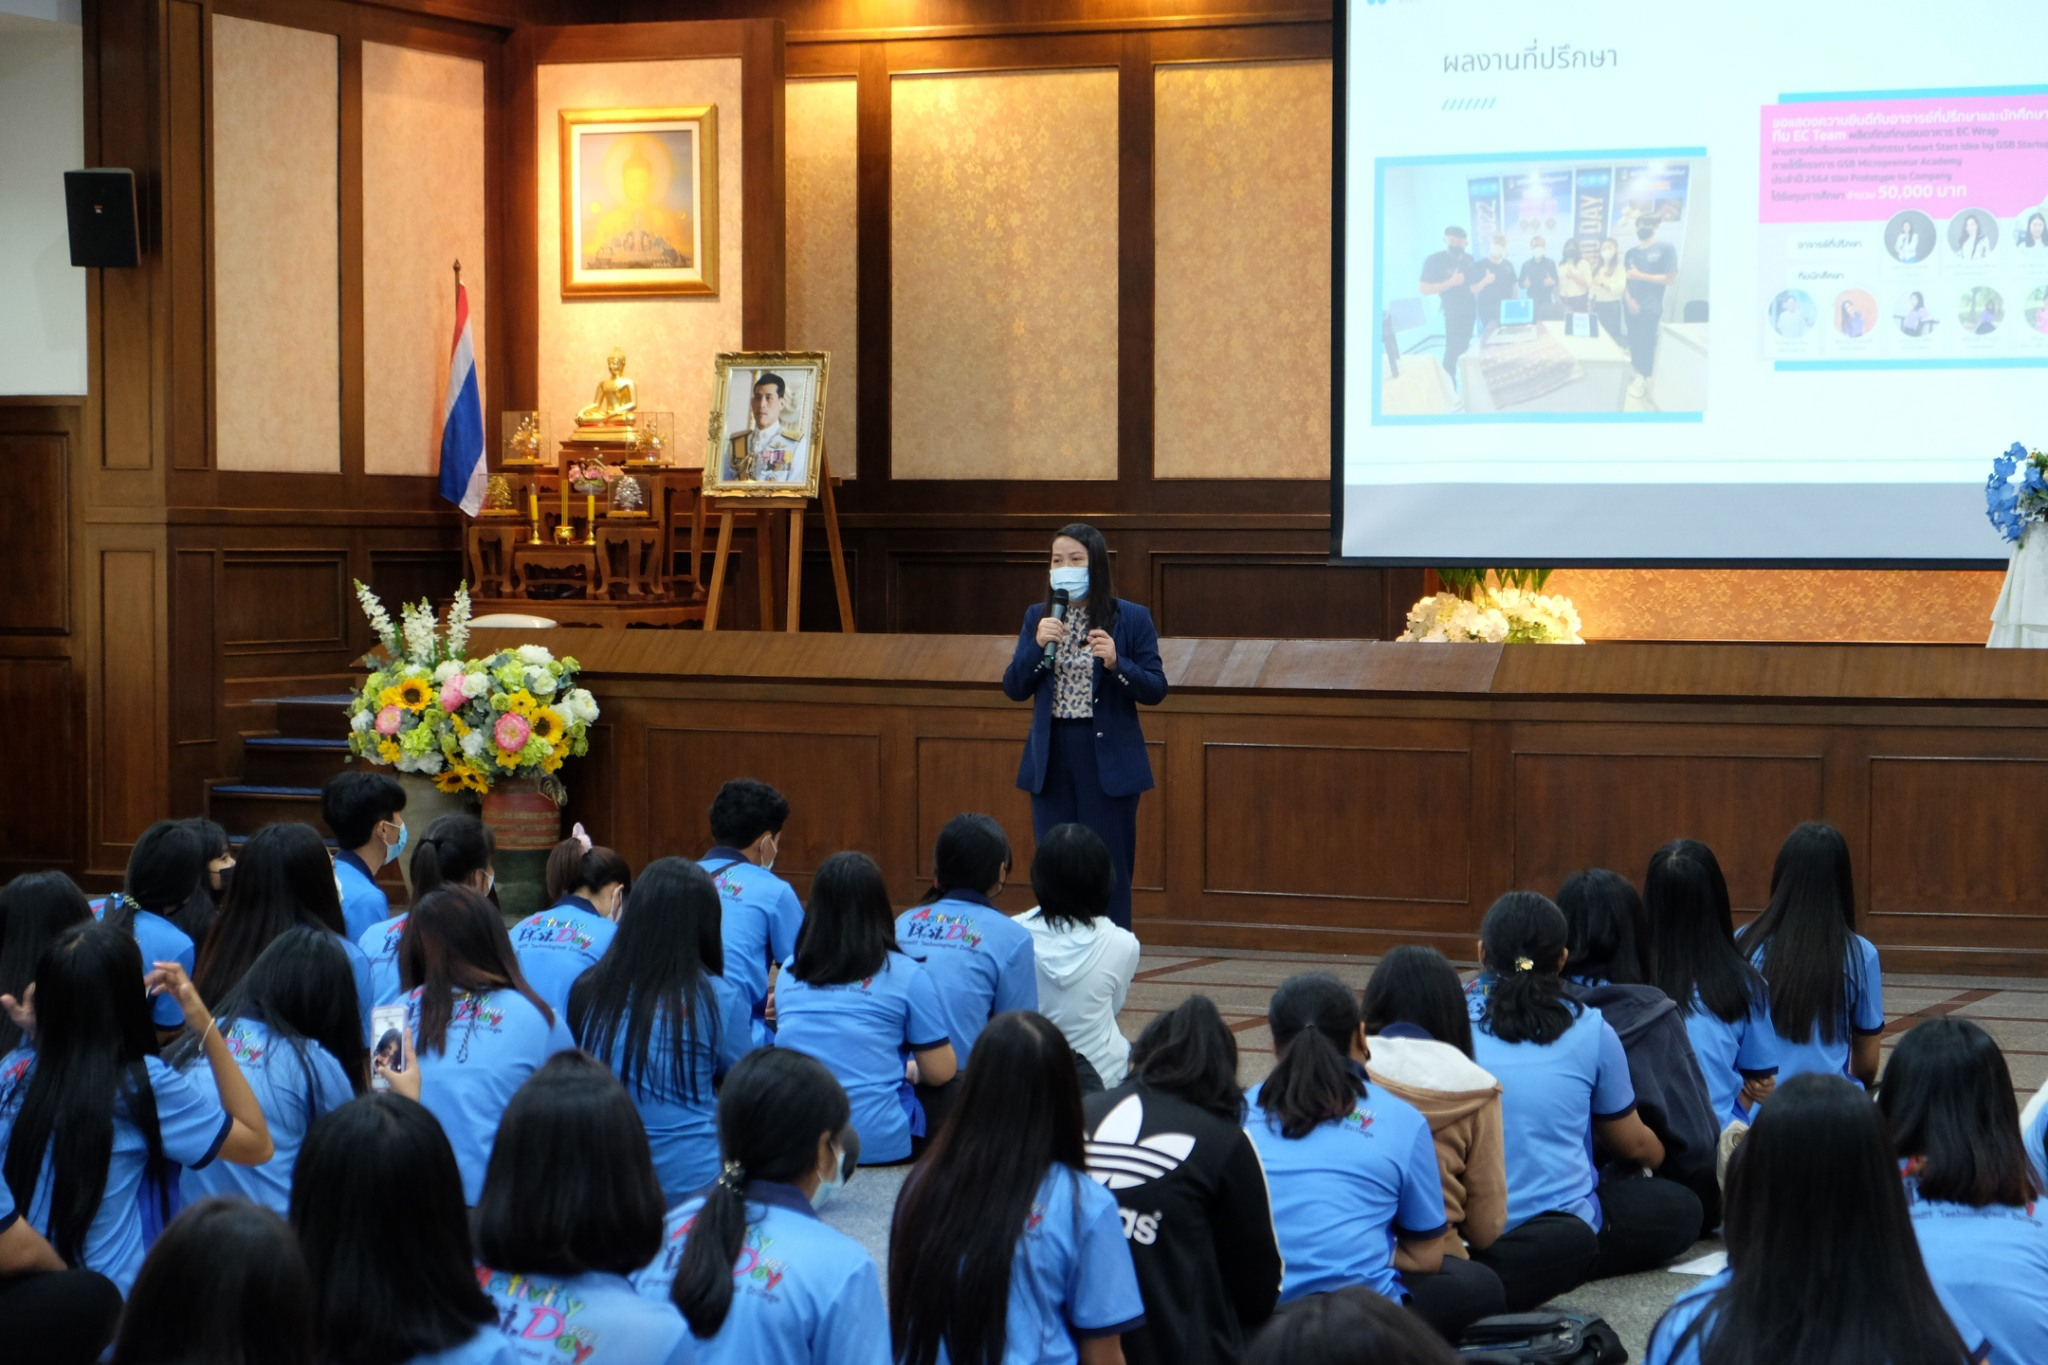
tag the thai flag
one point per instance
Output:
(463, 467)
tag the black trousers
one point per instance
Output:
(1455, 1297)
(1645, 1221)
(1642, 340)
(1073, 795)
(1458, 327)
(59, 1317)
(1538, 1260)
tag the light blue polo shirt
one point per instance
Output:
(1072, 1274)
(192, 1124)
(1550, 1097)
(759, 919)
(978, 957)
(1694, 1302)
(1347, 1190)
(158, 940)
(558, 945)
(291, 1091)
(1732, 1053)
(1992, 1263)
(2036, 1139)
(1863, 1004)
(860, 1030)
(366, 983)
(681, 1130)
(487, 1347)
(363, 902)
(802, 1291)
(589, 1319)
(379, 944)
(496, 1039)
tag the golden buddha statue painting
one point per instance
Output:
(636, 209)
(611, 414)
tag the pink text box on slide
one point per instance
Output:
(1864, 160)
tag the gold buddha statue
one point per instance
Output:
(611, 415)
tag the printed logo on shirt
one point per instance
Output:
(754, 1268)
(562, 933)
(540, 1312)
(392, 935)
(1120, 1159)
(1358, 1121)
(470, 1010)
(926, 926)
(243, 1048)
(728, 885)
(1142, 1228)
(12, 1078)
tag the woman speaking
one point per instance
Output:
(1086, 659)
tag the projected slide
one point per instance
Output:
(1633, 284)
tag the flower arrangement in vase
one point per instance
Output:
(2015, 503)
(513, 714)
(395, 719)
(1494, 606)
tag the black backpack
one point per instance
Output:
(1541, 1338)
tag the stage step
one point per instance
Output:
(291, 761)
(323, 716)
(245, 807)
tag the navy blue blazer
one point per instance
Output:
(1119, 743)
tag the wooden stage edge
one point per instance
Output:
(1347, 796)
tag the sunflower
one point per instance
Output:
(414, 694)
(461, 725)
(521, 703)
(388, 751)
(547, 724)
(461, 777)
(390, 696)
(553, 762)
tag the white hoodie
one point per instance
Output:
(1083, 977)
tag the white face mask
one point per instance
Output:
(1607, 253)
(1072, 580)
(833, 1183)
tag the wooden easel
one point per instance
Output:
(761, 514)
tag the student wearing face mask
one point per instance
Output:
(761, 912)
(1497, 276)
(1652, 268)
(1454, 279)
(1609, 283)
(365, 812)
(1540, 282)
(1086, 660)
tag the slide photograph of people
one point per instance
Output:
(768, 425)
(1973, 235)
(1909, 237)
(1792, 314)
(1521, 289)
(1983, 308)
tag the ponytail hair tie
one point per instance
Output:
(733, 1177)
(580, 836)
(1523, 964)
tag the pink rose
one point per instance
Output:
(389, 719)
(452, 697)
(512, 732)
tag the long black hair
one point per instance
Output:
(1825, 1268)
(1417, 985)
(1313, 1018)
(571, 865)
(93, 1042)
(1101, 599)
(849, 926)
(1522, 937)
(34, 908)
(377, 1204)
(225, 1283)
(972, 854)
(773, 1108)
(655, 977)
(1605, 927)
(166, 865)
(962, 1211)
(195, 916)
(454, 944)
(454, 849)
(302, 989)
(1948, 1095)
(1072, 876)
(1804, 935)
(283, 878)
(1189, 1052)
(1686, 898)
(571, 1185)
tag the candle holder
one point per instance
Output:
(533, 509)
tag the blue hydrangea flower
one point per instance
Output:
(2002, 497)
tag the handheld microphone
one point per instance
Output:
(1059, 613)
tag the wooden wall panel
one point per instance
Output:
(128, 656)
(1296, 596)
(1931, 849)
(35, 534)
(283, 603)
(39, 807)
(195, 646)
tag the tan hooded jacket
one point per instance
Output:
(1461, 1100)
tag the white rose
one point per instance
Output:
(446, 670)
(361, 721)
(477, 684)
(474, 743)
(533, 654)
(540, 682)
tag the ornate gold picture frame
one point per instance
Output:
(640, 201)
(767, 428)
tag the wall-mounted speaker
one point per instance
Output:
(101, 209)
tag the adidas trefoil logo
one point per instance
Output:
(1118, 1159)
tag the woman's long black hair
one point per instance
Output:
(1313, 1018)
(773, 1108)
(972, 854)
(849, 927)
(1522, 937)
(1190, 1053)
(1417, 985)
(303, 989)
(1605, 927)
(195, 917)
(166, 865)
(571, 1186)
(453, 849)
(1101, 600)
(1804, 935)
(1825, 1266)
(655, 979)
(455, 944)
(377, 1205)
(1686, 898)
(283, 878)
(1948, 1095)
(225, 1283)
(34, 908)
(93, 1042)
(963, 1209)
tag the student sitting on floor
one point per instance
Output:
(587, 885)
(364, 810)
(455, 850)
(225, 1282)
(1084, 961)
(762, 913)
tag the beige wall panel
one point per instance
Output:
(1241, 234)
(669, 342)
(820, 119)
(423, 210)
(1003, 217)
(276, 248)
(1787, 604)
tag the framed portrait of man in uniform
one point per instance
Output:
(767, 430)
